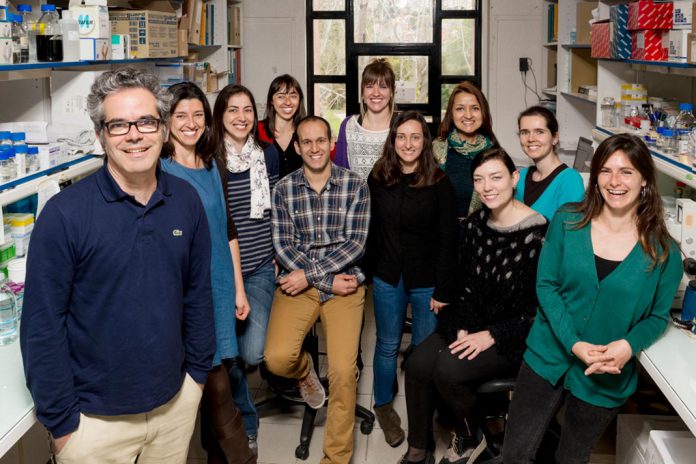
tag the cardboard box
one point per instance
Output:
(650, 45)
(120, 47)
(583, 15)
(95, 49)
(678, 46)
(647, 14)
(234, 25)
(619, 35)
(152, 28)
(691, 48)
(182, 41)
(683, 15)
(92, 19)
(600, 40)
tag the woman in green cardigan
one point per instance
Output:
(607, 275)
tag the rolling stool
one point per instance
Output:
(286, 395)
(495, 396)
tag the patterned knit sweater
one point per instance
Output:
(497, 282)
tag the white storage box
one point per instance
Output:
(671, 447)
(95, 49)
(633, 433)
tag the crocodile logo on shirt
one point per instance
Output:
(177, 232)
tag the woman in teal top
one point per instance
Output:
(188, 155)
(607, 275)
(465, 131)
(549, 183)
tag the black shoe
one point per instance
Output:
(464, 449)
(429, 459)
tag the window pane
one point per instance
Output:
(393, 21)
(330, 47)
(445, 92)
(456, 4)
(329, 5)
(458, 47)
(411, 76)
(330, 103)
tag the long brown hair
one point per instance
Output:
(286, 83)
(218, 132)
(190, 91)
(387, 169)
(447, 123)
(650, 221)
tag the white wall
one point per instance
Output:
(273, 44)
(515, 29)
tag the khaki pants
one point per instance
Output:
(158, 436)
(292, 317)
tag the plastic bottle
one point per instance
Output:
(49, 41)
(71, 37)
(683, 125)
(32, 160)
(21, 160)
(29, 20)
(8, 316)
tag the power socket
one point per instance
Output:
(524, 64)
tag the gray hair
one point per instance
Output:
(125, 78)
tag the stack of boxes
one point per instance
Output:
(619, 36)
(649, 23)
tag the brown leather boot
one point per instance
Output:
(390, 422)
(225, 420)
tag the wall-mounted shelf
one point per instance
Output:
(29, 185)
(592, 99)
(551, 44)
(9, 72)
(573, 46)
(666, 164)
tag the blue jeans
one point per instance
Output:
(390, 312)
(251, 337)
(251, 333)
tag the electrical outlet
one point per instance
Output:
(524, 64)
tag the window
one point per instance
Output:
(431, 44)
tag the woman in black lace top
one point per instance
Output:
(481, 335)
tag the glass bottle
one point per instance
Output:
(8, 315)
(49, 40)
(32, 160)
(29, 21)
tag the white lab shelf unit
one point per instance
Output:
(576, 112)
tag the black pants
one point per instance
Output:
(431, 371)
(534, 403)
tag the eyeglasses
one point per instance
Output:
(144, 126)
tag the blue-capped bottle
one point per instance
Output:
(32, 159)
(49, 40)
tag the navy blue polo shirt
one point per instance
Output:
(118, 304)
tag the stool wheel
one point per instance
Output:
(366, 426)
(302, 452)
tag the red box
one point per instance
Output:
(599, 35)
(647, 14)
(650, 45)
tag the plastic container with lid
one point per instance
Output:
(6, 138)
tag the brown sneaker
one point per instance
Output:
(390, 422)
(311, 389)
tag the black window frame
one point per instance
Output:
(353, 50)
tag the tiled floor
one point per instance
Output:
(280, 430)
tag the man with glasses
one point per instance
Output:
(117, 334)
(320, 220)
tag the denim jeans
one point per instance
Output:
(251, 333)
(390, 312)
(534, 403)
(251, 337)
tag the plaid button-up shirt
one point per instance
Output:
(323, 233)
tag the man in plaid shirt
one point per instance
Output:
(320, 219)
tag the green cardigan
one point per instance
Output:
(631, 303)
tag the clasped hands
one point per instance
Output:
(603, 359)
(296, 282)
